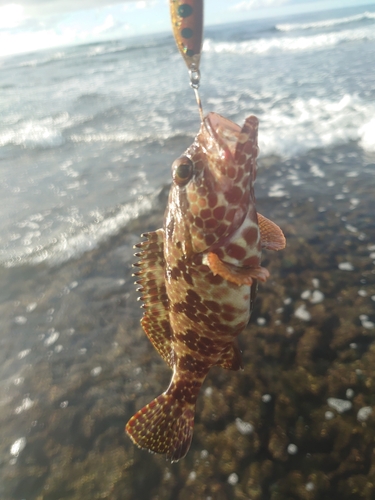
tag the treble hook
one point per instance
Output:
(187, 25)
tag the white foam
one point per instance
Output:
(32, 135)
(367, 135)
(23, 354)
(317, 171)
(123, 137)
(95, 233)
(44, 132)
(291, 126)
(328, 23)
(20, 320)
(52, 338)
(68, 246)
(45, 60)
(18, 446)
(95, 372)
(156, 131)
(27, 403)
(290, 44)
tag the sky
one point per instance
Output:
(30, 25)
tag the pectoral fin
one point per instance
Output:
(271, 236)
(235, 274)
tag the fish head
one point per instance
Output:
(212, 187)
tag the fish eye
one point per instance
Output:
(182, 170)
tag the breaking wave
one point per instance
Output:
(328, 23)
(299, 125)
(290, 44)
(82, 52)
(63, 247)
(43, 133)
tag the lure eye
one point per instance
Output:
(182, 170)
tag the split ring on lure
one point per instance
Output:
(187, 25)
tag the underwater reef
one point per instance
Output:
(298, 423)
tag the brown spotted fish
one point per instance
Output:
(199, 274)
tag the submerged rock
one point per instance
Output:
(281, 429)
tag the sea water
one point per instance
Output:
(87, 137)
(88, 133)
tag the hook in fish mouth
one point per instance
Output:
(224, 132)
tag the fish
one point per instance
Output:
(198, 275)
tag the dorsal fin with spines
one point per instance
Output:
(151, 279)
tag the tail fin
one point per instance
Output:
(163, 426)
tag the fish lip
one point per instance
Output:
(224, 132)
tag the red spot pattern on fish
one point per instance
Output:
(198, 275)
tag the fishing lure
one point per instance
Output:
(187, 25)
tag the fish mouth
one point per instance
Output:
(224, 133)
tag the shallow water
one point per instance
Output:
(74, 362)
(78, 364)
(88, 133)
